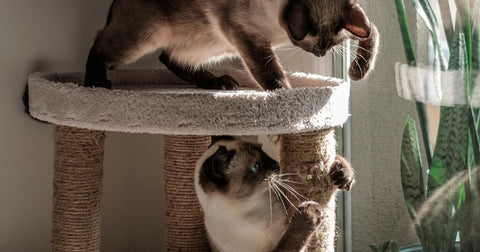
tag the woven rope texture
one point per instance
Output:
(185, 230)
(310, 155)
(77, 189)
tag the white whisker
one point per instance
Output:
(270, 198)
(269, 59)
(294, 195)
(275, 190)
(287, 174)
(292, 191)
(283, 194)
(360, 48)
(288, 181)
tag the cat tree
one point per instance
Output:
(157, 102)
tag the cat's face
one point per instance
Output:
(317, 26)
(236, 168)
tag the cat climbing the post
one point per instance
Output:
(243, 198)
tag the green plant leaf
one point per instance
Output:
(374, 248)
(461, 58)
(446, 15)
(412, 174)
(451, 156)
(458, 143)
(453, 225)
(416, 223)
(464, 23)
(407, 40)
(425, 11)
(475, 38)
(410, 55)
(393, 246)
(385, 246)
(451, 150)
(462, 196)
(411, 166)
(457, 48)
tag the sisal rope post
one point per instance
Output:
(77, 189)
(185, 230)
(310, 155)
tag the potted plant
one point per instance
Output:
(441, 186)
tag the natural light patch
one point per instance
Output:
(424, 84)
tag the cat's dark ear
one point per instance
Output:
(297, 17)
(215, 166)
(356, 21)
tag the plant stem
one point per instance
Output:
(422, 117)
(428, 15)
(410, 55)
(407, 41)
(473, 132)
(464, 9)
(447, 21)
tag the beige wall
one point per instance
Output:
(55, 35)
(378, 118)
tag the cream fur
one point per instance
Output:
(227, 219)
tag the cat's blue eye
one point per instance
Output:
(255, 168)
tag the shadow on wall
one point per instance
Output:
(55, 35)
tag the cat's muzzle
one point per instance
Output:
(276, 168)
(318, 53)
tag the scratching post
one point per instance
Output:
(77, 189)
(157, 102)
(310, 155)
(185, 230)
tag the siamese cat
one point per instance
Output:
(242, 196)
(192, 34)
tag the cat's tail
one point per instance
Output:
(439, 204)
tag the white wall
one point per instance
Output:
(378, 118)
(55, 35)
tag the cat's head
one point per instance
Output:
(234, 168)
(317, 26)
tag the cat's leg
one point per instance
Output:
(366, 55)
(301, 227)
(116, 44)
(260, 60)
(96, 70)
(341, 173)
(199, 77)
(119, 43)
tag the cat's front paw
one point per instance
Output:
(305, 221)
(311, 210)
(277, 84)
(341, 174)
(101, 83)
(301, 227)
(225, 82)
